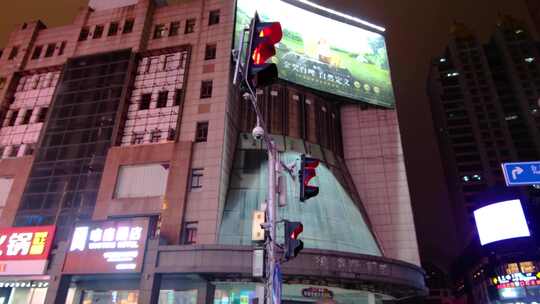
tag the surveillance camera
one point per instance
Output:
(257, 133)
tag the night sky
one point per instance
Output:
(416, 31)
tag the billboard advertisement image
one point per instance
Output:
(501, 221)
(323, 53)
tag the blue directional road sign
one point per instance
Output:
(523, 173)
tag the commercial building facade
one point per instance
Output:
(124, 132)
(485, 106)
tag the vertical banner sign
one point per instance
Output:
(107, 247)
(25, 250)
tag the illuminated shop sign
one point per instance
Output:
(319, 293)
(24, 284)
(107, 247)
(517, 280)
(25, 250)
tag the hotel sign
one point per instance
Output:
(107, 247)
(518, 279)
(25, 250)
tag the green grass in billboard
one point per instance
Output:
(309, 59)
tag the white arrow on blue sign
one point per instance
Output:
(522, 173)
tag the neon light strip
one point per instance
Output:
(357, 20)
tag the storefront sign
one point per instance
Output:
(318, 293)
(107, 247)
(518, 279)
(24, 284)
(25, 250)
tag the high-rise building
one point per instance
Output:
(486, 111)
(125, 124)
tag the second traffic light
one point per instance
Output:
(307, 172)
(292, 244)
(262, 39)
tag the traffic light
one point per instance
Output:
(262, 38)
(292, 244)
(307, 172)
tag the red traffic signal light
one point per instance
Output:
(307, 172)
(292, 244)
(262, 38)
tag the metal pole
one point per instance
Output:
(271, 210)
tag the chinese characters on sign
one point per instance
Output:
(112, 246)
(25, 250)
(517, 280)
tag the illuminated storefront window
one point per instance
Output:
(527, 267)
(110, 297)
(178, 297)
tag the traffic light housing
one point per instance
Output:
(307, 172)
(292, 244)
(262, 38)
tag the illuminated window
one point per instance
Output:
(148, 180)
(2, 82)
(512, 268)
(5, 188)
(190, 233)
(174, 28)
(128, 26)
(527, 267)
(137, 138)
(213, 17)
(98, 32)
(190, 26)
(196, 178)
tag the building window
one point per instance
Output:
(62, 48)
(210, 52)
(27, 117)
(196, 178)
(148, 180)
(144, 104)
(42, 114)
(2, 82)
(162, 99)
(14, 151)
(1, 53)
(174, 28)
(206, 89)
(201, 134)
(168, 63)
(137, 138)
(213, 17)
(171, 134)
(155, 136)
(37, 52)
(128, 26)
(189, 233)
(85, 31)
(13, 53)
(98, 32)
(13, 118)
(113, 29)
(29, 149)
(50, 50)
(178, 97)
(190, 26)
(159, 31)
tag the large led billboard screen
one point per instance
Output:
(324, 53)
(501, 221)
